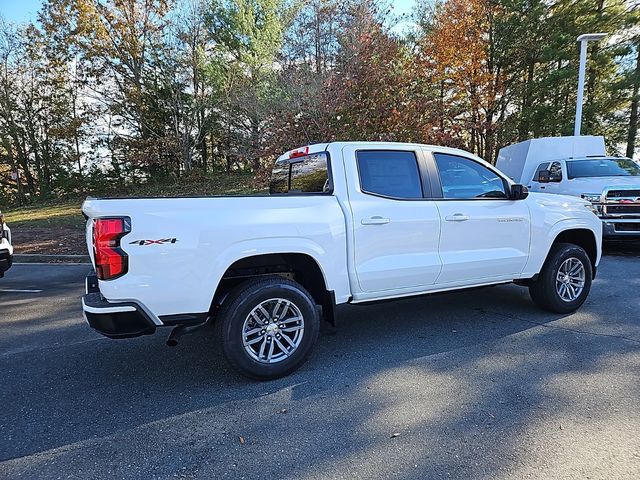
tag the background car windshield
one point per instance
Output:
(603, 167)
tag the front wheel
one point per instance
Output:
(564, 281)
(268, 327)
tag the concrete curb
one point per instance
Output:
(41, 258)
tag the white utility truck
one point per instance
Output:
(344, 222)
(6, 249)
(579, 166)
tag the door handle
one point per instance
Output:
(458, 217)
(377, 220)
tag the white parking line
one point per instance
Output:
(17, 290)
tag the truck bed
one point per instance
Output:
(179, 248)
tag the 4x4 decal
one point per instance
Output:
(160, 241)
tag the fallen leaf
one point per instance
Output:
(394, 435)
(242, 440)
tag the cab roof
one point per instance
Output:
(321, 147)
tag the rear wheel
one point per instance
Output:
(268, 327)
(564, 281)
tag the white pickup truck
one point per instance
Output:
(580, 166)
(344, 223)
(6, 249)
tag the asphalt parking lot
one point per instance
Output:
(475, 384)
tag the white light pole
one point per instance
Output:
(583, 39)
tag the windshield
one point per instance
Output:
(603, 167)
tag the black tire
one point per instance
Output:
(543, 290)
(237, 307)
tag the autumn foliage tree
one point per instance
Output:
(113, 95)
(459, 55)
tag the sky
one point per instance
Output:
(17, 11)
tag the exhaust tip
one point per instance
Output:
(180, 330)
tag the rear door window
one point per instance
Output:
(389, 173)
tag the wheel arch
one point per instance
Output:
(298, 266)
(583, 237)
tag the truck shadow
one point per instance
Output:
(451, 373)
(626, 248)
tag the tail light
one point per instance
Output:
(110, 260)
(1, 226)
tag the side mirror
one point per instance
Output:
(518, 192)
(544, 176)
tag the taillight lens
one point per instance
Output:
(111, 261)
(1, 226)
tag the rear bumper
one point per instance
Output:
(621, 228)
(127, 319)
(6, 259)
(116, 320)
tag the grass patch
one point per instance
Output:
(58, 227)
(197, 185)
(66, 214)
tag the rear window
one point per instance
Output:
(308, 174)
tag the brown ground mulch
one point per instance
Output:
(51, 241)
